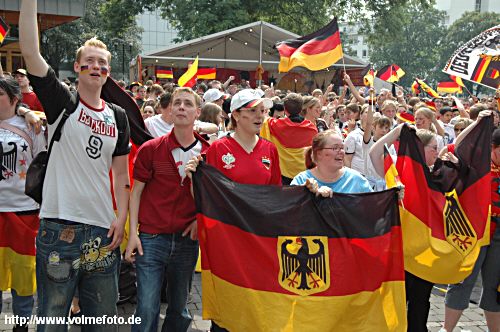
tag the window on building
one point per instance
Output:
(365, 53)
(478, 5)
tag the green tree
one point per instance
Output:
(117, 29)
(461, 31)
(409, 36)
(196, 18)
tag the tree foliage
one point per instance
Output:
(409, 36)
(196, 18)
(115, 28)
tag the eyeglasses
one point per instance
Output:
(458, 130)
(335, 148)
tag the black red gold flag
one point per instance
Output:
(290, 138)
(442, 240)
(427, 88)
(164, 72)
(4, 30)
(188, 79)
(316, 51)
(279, 259)
(390, 73)
(391, 177)
(415, 88)
(449, 87)
(457, 80)
(206, 73)
(368, 76)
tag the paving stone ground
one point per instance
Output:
(472, 319)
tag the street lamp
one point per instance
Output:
(116, 43)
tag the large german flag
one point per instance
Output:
(164, 72)
(316, 51)
(4, 30)
(390, 73)
(449, 87)
(291, 139)
(279, 259)
(487, 71)
(445, 218)
(17, 252)
(206, 73)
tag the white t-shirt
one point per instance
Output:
(16, 156)
(157, 126)
(182, 156)
(354, 146)
(449, 132)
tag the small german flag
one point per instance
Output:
(206, 73)
(426, 88)
(164, 72)
(368, 76)
(442, 241)
(316, 51)
(188, 79)
(390, 73)
(415, 88)
(290, 138)
(431, 105)
(392, 178)
(288, 266)
(458, 80)
(4, 30)
(449, 87)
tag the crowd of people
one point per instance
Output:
(326, 141)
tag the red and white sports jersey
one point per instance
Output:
(261, 166)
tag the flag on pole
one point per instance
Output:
(442, 241)
(392, 178)
(458, 80)
(478, 60)
(390, 73)
(188, 79)
(207, 73)
(290, 265)
(426, 88)
(415, 88)
(369, 76)
(449, 87)
(4, 30)
(164, 72)
(315, 51)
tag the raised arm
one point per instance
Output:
(353, 89)
(467, 130)
(377, 150)
(28, 39)
(460, 107)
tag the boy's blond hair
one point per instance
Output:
(94, 42)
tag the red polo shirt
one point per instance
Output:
(166, 203)
(32, 101)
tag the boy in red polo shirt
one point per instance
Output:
(162, 205)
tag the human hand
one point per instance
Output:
(191, 166)
(116, 230)
(134, 247)
(192, 230)
(33, 121)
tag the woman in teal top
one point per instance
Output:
(325, 164)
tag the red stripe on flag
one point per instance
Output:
(243, 256)
(479, 70)
(312, 47)
(18, 232)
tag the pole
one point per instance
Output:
(123, 61)
(260, 51)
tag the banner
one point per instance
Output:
(478, 60)
(279, 259)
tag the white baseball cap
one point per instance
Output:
(212, 95)
(249, 98)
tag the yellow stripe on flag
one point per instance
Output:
(378, 310)
(189, 74)
(18, 272)
(438, 262)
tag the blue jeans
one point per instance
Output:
(22, 306)
(73, 256)
(178, 255)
